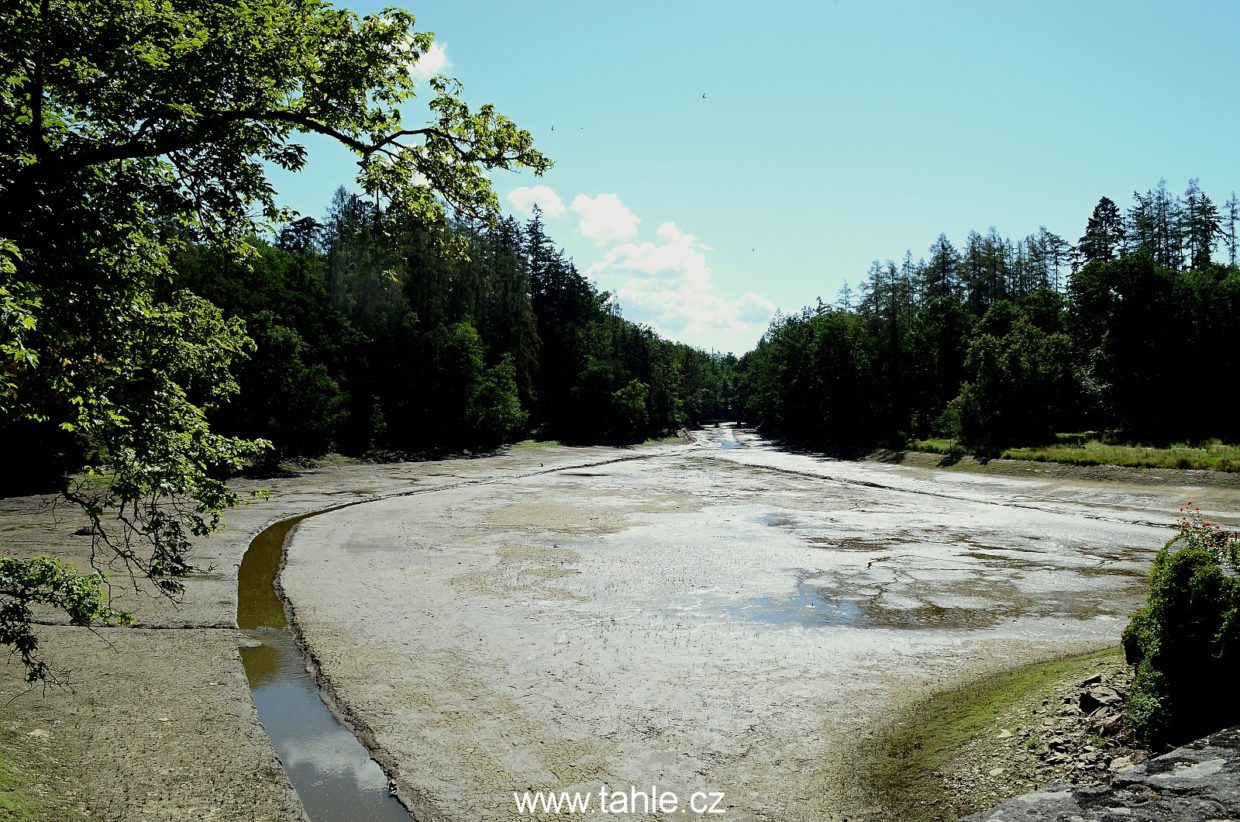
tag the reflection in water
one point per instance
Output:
(333, 773)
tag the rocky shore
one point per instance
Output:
(1200, 781)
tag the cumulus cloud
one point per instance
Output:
(431, 62)
(668, 285)
(524, 198)
(604, 218)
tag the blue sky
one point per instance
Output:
(832, 133)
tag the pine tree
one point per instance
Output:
(1232, 212)
(1200, 225)
(939, 276)
(1104, 234)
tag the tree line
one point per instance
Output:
(378, 333)
(1131, 330)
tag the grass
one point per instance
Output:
(536, 444)
(14, 803)
(17, 804)
(902, 770)
(1215, 456)
(936, 445)
(1088, 449)
(34, 785)
(663, 440)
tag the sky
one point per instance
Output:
(718, 161)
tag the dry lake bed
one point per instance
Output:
(717, 616)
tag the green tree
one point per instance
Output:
(1104, 234)
(1020, 382)
(629, 411)
(495, 412)
(135, 129)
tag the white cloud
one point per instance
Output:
(431, 62)
(524, 198)
(604, 218)
(668, 285)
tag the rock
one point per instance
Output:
(40, 733)
(994, 771)
(1093, 680)
(1099, 696)
(1004, 734)
(1106, 722)
(1198, 781)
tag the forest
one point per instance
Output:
(1130, 332)
(378, 335)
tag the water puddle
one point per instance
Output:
(820, 600)
(811, 604)
(331, 770)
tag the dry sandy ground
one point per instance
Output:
(716, 617)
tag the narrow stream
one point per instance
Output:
(331, 770)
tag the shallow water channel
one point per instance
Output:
(331, 770)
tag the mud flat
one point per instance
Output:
(717, 617)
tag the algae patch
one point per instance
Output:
(905, 762)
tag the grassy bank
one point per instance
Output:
(32, 787)
(1209, 457)
(14, 801)
(908, 768)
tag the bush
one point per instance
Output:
(1185, 642)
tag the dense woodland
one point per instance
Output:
(1132, 331)
(376, 334)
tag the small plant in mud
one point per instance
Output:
(1186, 640)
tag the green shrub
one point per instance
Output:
(1185, 642)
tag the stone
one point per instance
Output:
(1093, 680)
(1198, 781)
(1099, 696)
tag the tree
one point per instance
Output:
(1104, 234)
(1232, 213)
(1020, 380)
(940, 273)
(1200, 225)
(136, 130)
